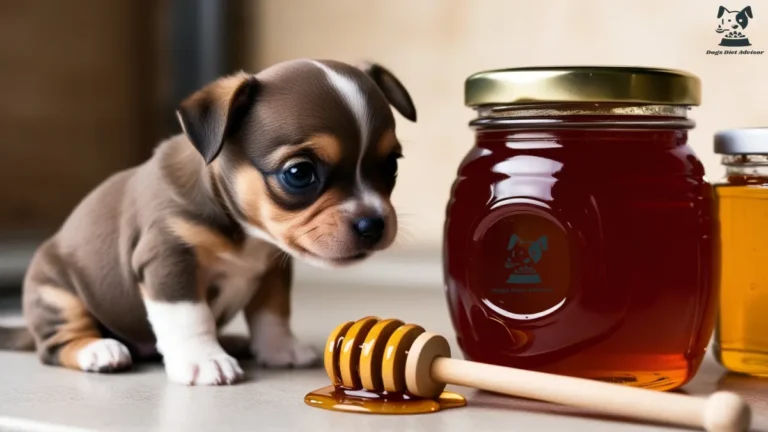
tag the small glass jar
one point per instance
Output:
(579, 231)
(741, 338)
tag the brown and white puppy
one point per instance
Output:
(298, 160)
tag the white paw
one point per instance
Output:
(104, 355)
(284, 352)
(216, 370)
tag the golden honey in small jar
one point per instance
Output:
(741, 337)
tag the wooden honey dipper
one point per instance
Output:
(394, 357)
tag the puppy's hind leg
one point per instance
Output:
(66, 334)
(237, 346)
(268, 314)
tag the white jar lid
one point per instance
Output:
(742, 141)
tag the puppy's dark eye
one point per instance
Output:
(390, 166)
(299, 176)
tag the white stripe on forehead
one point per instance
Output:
(353, 95)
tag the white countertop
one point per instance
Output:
(36, 397)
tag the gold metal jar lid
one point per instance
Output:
(523, 86)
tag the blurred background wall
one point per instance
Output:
(89, 86)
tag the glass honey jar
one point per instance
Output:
(741, 337)
(579, 233)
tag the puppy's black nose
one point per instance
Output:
(369, 229)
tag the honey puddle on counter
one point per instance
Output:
(360, 401)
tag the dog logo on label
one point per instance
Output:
(522, 259)
(732, 25)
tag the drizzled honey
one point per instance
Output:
(362, 401)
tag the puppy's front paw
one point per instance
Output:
(215, 370)
(281, 352)
(104, 355)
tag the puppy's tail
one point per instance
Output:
(16, 339)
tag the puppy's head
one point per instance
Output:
(729, 21)
(305, 154)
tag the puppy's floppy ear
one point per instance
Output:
(212, 113)
(748, 11)
(721, 11)
(393, 89)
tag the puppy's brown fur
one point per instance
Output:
(208, 218)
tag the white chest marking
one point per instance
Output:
(236, 276)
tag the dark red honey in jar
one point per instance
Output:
(580, 238)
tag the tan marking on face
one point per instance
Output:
(322, 217)
(208, 243)
(290, 223)
(78, 328)
(250, 190)
(277, 189)
(323, 229)
(387, 144)
(326, 146)
(320, 229)
(250, 193)
(296, 229)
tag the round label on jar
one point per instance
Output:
(523, 269)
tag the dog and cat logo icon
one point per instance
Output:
(732, 30)
(522, 258)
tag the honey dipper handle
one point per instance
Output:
(722, 411)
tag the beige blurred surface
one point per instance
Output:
(433, 45)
